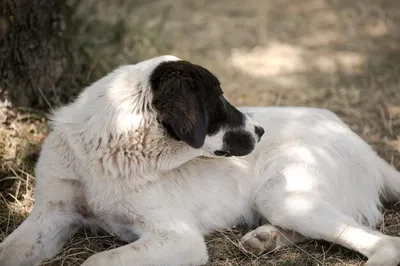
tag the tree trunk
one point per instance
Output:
(34, 54)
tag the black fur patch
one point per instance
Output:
(190, 102)
(259, 132)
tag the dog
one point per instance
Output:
(154, 154)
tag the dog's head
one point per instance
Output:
(191, 107)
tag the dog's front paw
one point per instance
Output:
(387, 252)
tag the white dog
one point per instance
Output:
(154, 154)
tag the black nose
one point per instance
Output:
(238, 143)
(259, 132)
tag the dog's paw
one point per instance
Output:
(268, 237)
(386, 253)
(263, 239)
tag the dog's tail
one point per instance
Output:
(391, 182)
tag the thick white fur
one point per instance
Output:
(106, 163)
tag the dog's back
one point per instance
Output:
(341, 162)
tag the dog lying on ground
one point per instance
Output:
(154, 154)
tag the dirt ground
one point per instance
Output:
(338, 54)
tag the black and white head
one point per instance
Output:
(191, 107)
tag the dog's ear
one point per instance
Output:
(180, 110)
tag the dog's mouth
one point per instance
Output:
(223, 153)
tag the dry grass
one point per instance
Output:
(335, 54)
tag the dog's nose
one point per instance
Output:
(259, 132)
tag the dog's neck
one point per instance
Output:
(129, 143)
(144, 152)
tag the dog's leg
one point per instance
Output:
(156, 248)
(53, 220)
(313, 217)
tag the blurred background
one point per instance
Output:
(337, 54)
